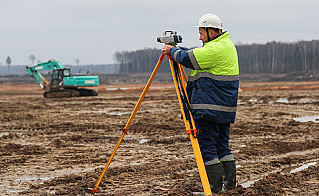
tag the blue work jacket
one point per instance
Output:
(213, 82)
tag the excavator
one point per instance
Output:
(62, 83)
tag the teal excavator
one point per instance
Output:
(62, 83)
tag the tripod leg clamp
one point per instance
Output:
(125, 131)
(192, 131)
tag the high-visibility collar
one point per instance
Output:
(220, 36)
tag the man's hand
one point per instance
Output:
(167, 49)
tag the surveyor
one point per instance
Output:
(212, 90)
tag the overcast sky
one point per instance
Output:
(93, 30)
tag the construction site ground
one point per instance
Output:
(60, 146)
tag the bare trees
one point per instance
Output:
(32, 58)
(8, 61)
(139, 61)
(272, 57)
(278, 57)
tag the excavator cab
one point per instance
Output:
(57, 77)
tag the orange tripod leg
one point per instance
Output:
(196, 149)
(183, 72)
(129, 122)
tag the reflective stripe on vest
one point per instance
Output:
(215, 77)
(213, 107)
(193, 59)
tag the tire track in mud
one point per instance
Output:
(64, 144)
(270, 140)
(164, 178)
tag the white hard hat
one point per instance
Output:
(210, 20)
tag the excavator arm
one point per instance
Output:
(34, 72)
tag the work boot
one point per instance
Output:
(215, 175)
(230, 175)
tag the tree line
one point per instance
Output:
(278, 57)
(140, 61)
(272, 57)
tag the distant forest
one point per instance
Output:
(272, 57)
(140, 61)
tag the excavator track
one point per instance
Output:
(88, 92)
(65, 93)
(62, 94)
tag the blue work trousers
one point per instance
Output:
(213, 141)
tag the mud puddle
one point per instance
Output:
(307, 119)
(298, 168)
(280, 100)
(142, 141)
(3, 134)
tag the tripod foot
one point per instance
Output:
(93, 191)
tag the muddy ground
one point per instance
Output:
(60, 146)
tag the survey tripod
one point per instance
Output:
(180, 80)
